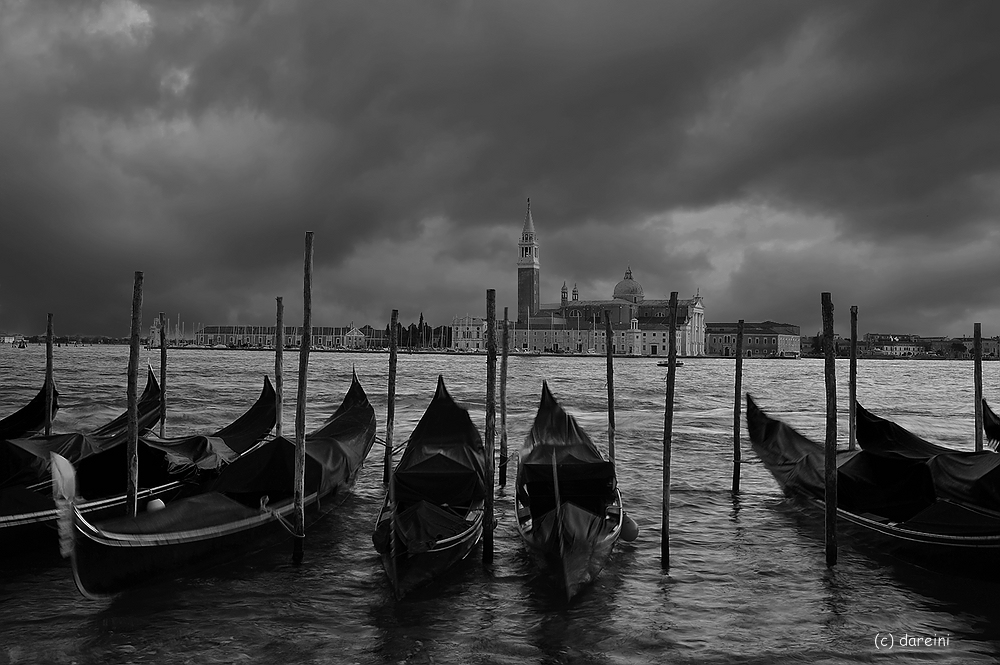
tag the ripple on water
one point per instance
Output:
(746, 582)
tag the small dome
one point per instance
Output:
(628, 288)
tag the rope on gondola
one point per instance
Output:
(271, 511)
(395, 449)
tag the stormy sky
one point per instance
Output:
(759, 153)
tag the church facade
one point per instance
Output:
(639, 327)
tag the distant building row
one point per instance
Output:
(881, 345)
(760, 340)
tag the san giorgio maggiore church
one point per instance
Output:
(640, 327)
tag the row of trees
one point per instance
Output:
(420, 335)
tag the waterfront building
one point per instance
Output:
(760, 340)
(990, 347)
(468, 333)
(882, 339)
(640, 326)
(262, 337)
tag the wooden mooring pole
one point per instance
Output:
(491, 420)
(132, 393)
(49, 385)
(390, 408)
(977, 347)
(163, 375)
(852, 385)
(504, 352)
(611, 387)
(830, 466)
(668, 425)
(300, 403)
(738, 408)
(279, 349)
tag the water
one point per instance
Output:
(747, 581)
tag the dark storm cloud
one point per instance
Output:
(198, 141)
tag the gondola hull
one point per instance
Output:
(569, 508)
(891, 498)
(246, 507)
(410, 570)
(33, 535)
(107, 562)
(29, 419)
(432, 514)
(571, 547)
(28, 514)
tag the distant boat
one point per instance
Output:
(666, 363)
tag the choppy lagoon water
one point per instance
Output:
(747, 581)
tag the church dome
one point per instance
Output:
(628, 288)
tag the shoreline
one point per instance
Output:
(540, 354)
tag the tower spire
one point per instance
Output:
(529, 223)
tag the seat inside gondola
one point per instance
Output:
(590, 486)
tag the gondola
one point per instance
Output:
(168, 468)
(991, 426)
(29, 420)
(25, 461)
(247, 507)
(920, 505)
(968, 477)
(432, 515)
(569, 508)
(878, 434)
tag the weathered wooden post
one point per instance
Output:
(163, 375)
(132, 393)
(505, 350)
(830, 466)
(738, 408)
(390, 409)
(491, 420)
(611, 388)
(852, 386)
(300, 404)
(668, 425)
(977, 346)
(49, 385)
(279, 349)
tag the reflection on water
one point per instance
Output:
(747, 580)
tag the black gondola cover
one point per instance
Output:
(29, 419)
(991, 425)
(270, 469)
(585, 477)
(31, 462)
(444, 461)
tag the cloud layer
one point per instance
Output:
(758, 152)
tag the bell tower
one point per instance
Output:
(528, 276)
